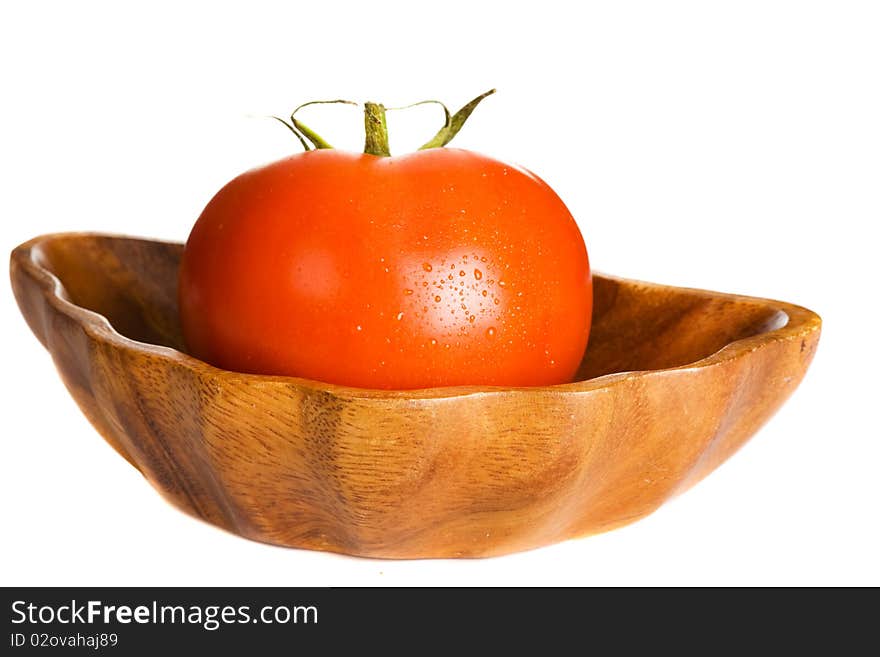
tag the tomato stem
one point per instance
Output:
(376, 127)
(376, 142)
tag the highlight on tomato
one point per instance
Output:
(440, 267)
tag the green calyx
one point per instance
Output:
(376, 127)
(453, 123)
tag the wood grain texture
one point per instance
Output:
(674, 381)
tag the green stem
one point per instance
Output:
(376, 128)
(376, 142)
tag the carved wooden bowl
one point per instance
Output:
(673, 382)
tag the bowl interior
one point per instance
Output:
(133, 283)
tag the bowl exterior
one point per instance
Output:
(461, 472)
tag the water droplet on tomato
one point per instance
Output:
(502, 284)
(490, 332)
(427, 266)
(407, 291)
(359, 328)
(433, 341)
(437, 299)
(484, 293)
(478, 274)
(471, 319)
(461, 273)
(497, 301)
(399, 316)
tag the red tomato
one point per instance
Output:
(441, 267)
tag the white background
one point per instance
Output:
(726, 145)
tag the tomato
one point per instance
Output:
(441, 267)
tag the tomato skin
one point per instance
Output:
(442, 267)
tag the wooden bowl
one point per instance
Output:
(674, 381)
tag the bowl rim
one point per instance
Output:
(799, 322)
